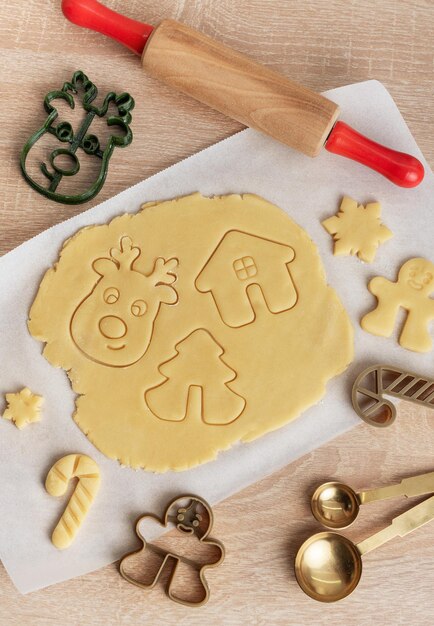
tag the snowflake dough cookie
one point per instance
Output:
(411, 292)
(189, 326)
(357, 229)
(23, 407)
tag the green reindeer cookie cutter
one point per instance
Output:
(82, 139)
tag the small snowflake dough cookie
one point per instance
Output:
(190, 326)
(23, 407)
(411, 292)
(357, 229)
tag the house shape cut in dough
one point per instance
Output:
(239, 261)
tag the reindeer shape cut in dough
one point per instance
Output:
(187, 554)
(114, 324)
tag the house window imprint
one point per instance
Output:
(245, 268)
(258, 261)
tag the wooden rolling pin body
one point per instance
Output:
(239, 87)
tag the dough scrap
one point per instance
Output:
(240, 351)
(23, 408)
(412, 292)
(357, 229)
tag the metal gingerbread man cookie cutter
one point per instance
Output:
(80, 138)
(192, 516)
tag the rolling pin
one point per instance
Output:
(244, 90)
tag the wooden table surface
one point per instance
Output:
(323, 44)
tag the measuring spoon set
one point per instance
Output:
(328, 566)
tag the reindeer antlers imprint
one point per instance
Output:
(114, 323)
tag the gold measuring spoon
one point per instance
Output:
(337, 505)
(328, 566)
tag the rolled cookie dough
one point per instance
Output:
(189, 326)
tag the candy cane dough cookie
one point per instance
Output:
(65, 469)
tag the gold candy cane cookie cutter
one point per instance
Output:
(374, 384)
(193, 519)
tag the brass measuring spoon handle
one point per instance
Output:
(408, 487)
(402, 525)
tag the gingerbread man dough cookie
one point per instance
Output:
(412, 292)
(187, 552)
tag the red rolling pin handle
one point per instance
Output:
(402, 169)
(92, 14)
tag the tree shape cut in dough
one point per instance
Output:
(196, 384)
(411, 292)
(23, 407)
(357, 229)
(239, 261)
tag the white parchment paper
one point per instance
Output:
(309, 190)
